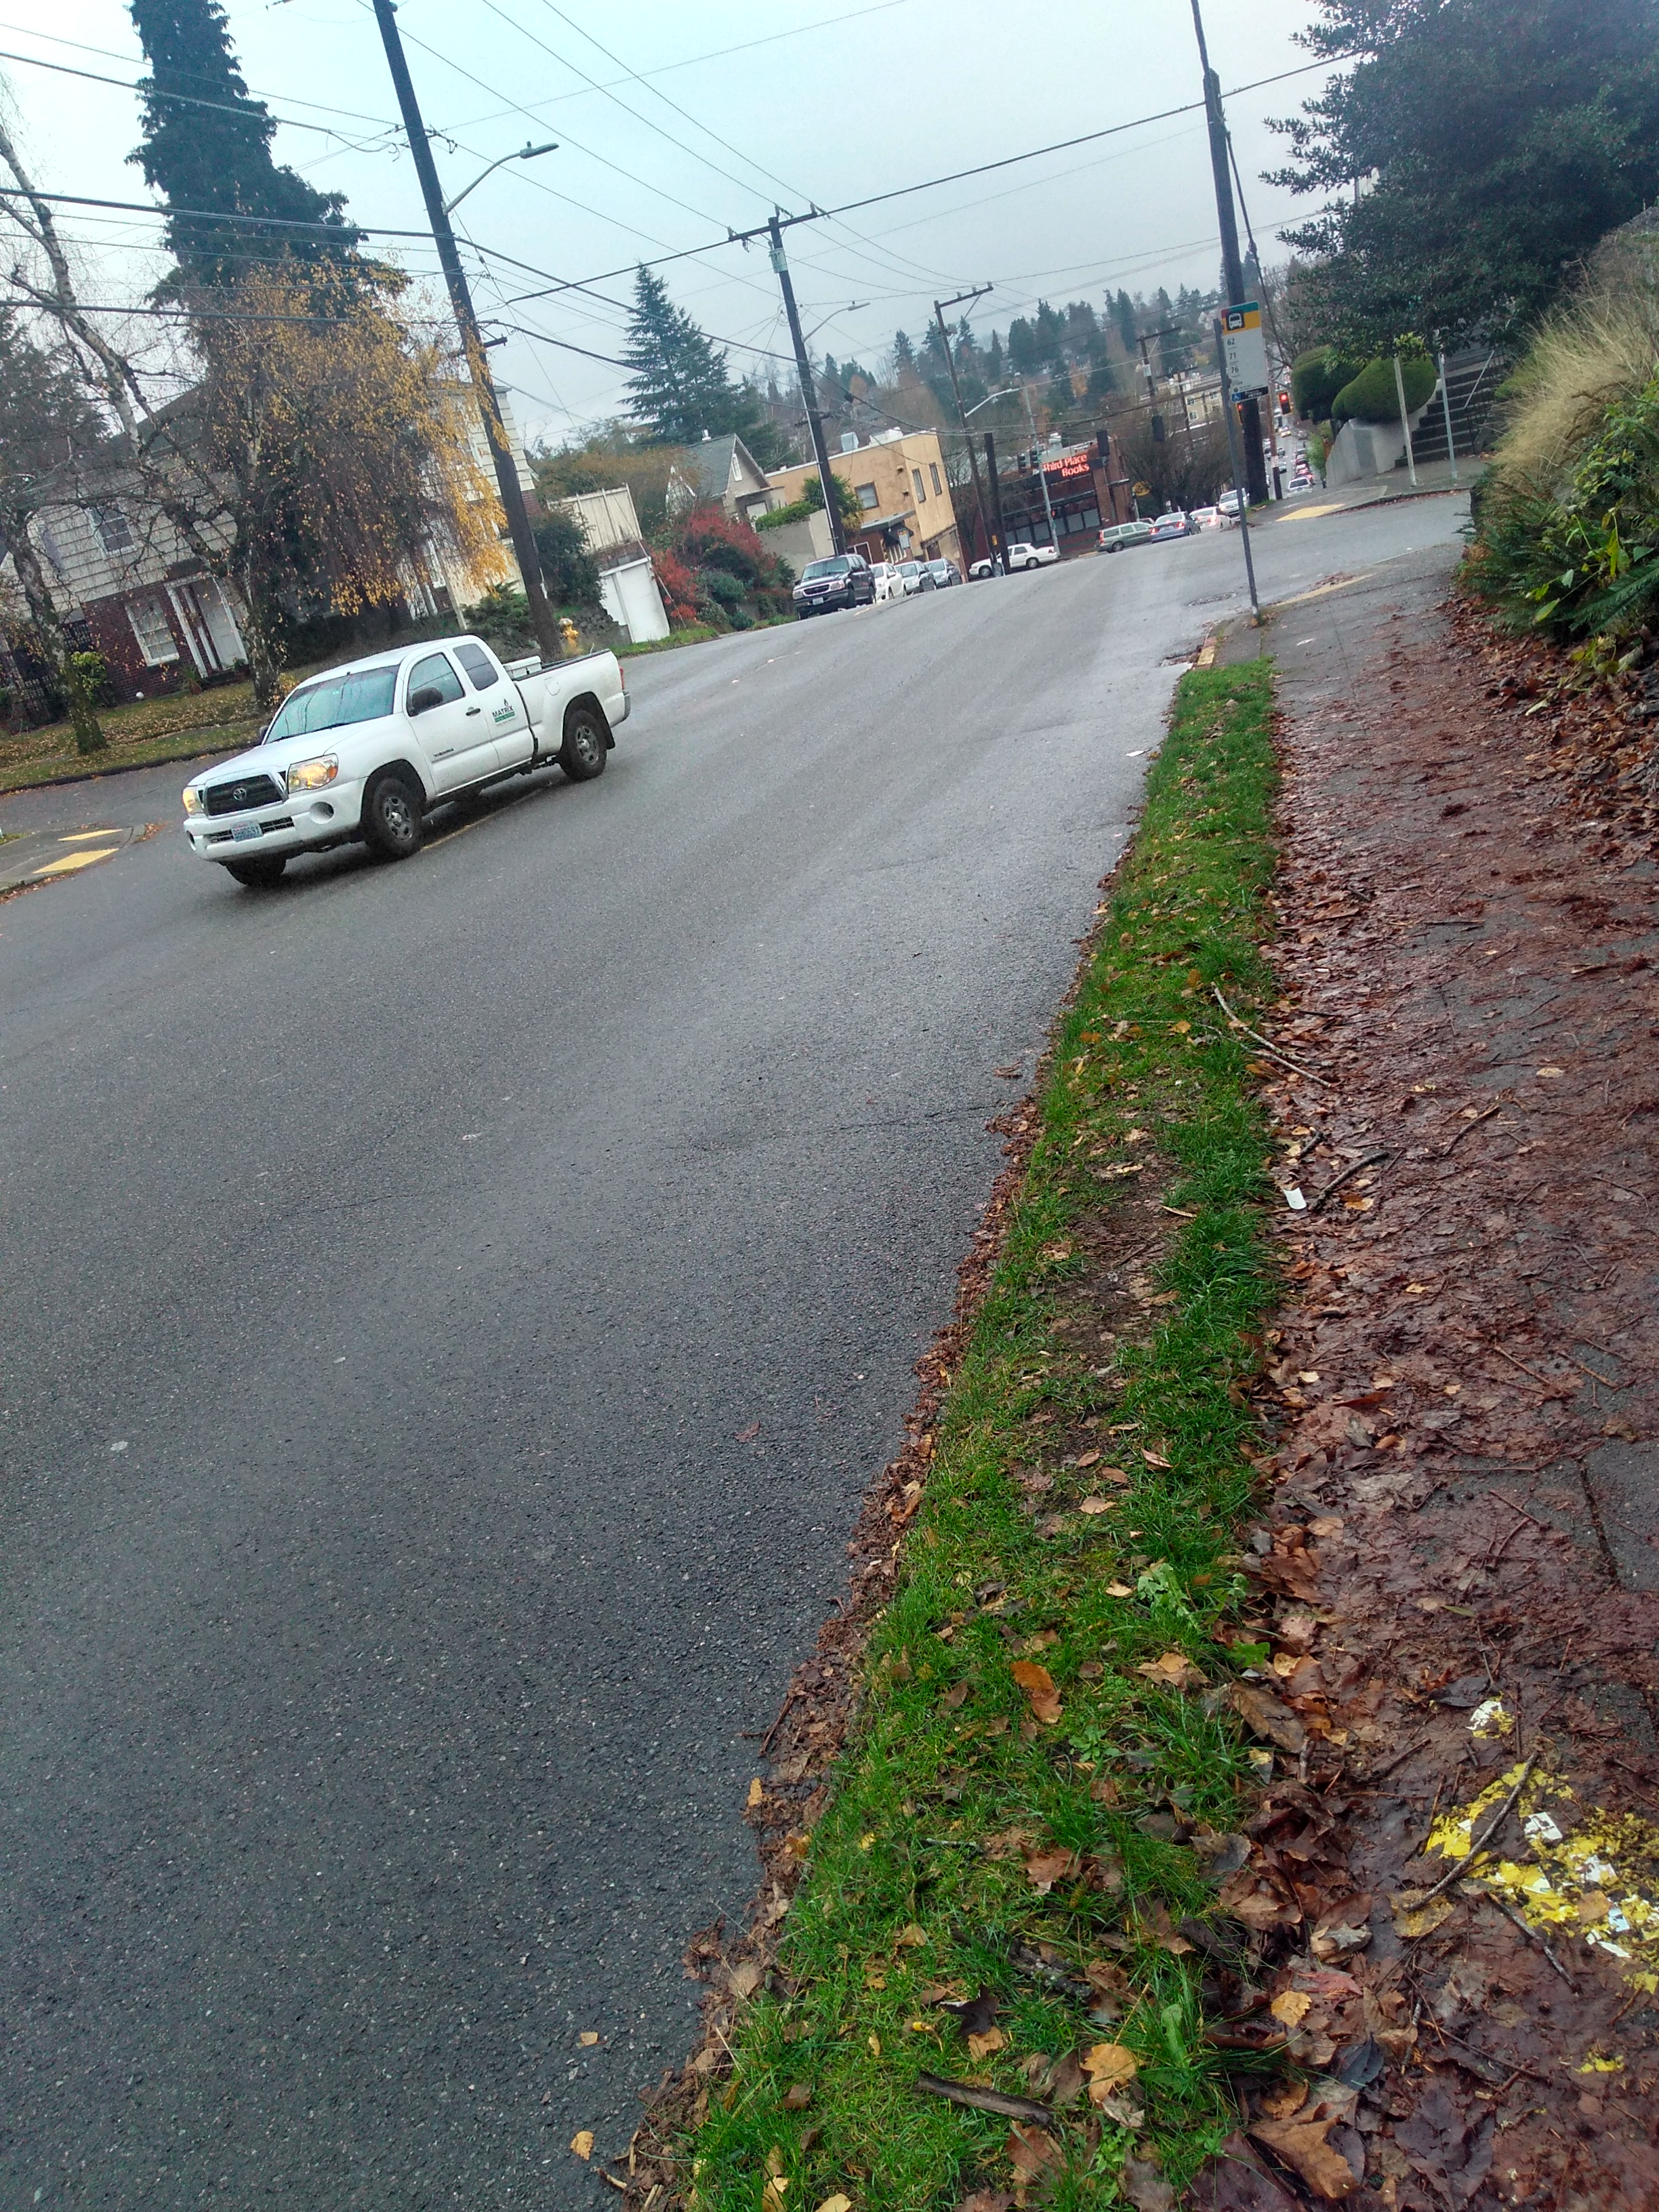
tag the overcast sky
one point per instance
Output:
(785, 103)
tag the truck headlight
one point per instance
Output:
(313, 774)
(194, 803)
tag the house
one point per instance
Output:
(722, 470)
(628, 582)
(899, 477)
(127, 585)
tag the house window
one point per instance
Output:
(150, 627)
(921, 488)
(867, 499)
(114, 529)
(938, 489)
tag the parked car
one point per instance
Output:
(909, 578)
(367, 749)
(843, 580)
(1207, 517)
(944, 573)
(885, 576)
(1231, 504)
(1174, 524)
(1116, 535)
(1023, 555)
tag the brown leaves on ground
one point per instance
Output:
(1038, 1684)
(1109, 2066)
(1172, 1670)
(1455, 1393)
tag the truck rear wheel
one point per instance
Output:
(258, 875)
(392, 822)
(586, 741)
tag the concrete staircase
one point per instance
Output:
(1472, 382)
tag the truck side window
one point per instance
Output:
(434, 673)
(481, 670)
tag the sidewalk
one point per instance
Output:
(1461, 1559)
(1372, 491)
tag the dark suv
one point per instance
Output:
(843, 581)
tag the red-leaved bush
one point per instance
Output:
(679, 586)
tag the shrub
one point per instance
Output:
(679, 586)
(1585, 563)
(501, 619)
(710, 539)
(86, 676)
(1316, 378)
(724, 588)
(1373, 397)
(569, 573)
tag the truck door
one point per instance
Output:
(515, 739)
(453, 732)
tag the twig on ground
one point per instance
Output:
(1531, 1934)
(984, 2101)
(1376, 1773)
(1273, 1049)
(1367, 1160)
(1462, 1866)
(783, 1710)
(1458, 1136)
(1553, 1389)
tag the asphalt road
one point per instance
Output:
(395, 1264)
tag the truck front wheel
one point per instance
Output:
(392, 819)
(586, 745)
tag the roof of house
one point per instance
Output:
(709, 465)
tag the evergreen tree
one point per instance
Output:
(904, 357)
(1023, 353)
(995, 369)
(679, 386)
(203, 157)
(1123, 314)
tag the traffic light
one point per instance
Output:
(1283, 403)
(1022, 464)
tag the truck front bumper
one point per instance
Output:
(302, 823)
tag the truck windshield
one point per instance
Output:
(357, 697)
(838, 566)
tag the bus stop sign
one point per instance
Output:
(1244, 347)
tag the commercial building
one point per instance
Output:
(906, 511)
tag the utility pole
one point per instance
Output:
(992, 544)
(1043, 474)
(996, 487)
(1250, 412)
(477, 363)
(1230, 412)
(809, 391)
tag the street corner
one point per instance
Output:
(38, 856)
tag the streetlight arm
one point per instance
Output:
(525, 153)
(1007, 391)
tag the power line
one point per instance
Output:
(113, 54)
(248, 114)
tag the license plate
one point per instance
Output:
(241, 836)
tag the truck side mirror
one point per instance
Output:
(423, 701)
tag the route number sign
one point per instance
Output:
(1244, 347)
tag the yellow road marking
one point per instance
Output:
(73, 860)
(1311, 513)
(81, 836)
(1342, 584)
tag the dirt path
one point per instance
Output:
(1461, 1577)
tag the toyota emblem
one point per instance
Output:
(240, 793)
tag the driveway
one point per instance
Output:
(451, 1312)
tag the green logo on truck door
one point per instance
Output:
(506, 713)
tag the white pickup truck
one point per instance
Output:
(369, 749)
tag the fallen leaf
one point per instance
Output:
(836, 2203)
(1124, 2111)
(1265, 1714)
(1341, 1929)
(582, 2142)
(1112, 1988)
(1220, 1853)
(748, 1435)
(1030, 2148)
(981, 2046)
(875, 2046)
(1302, 2144)
(1119, 1589)
(588, 2038)
(973, 2016)
(797, 2096)
(1044, 1868)
(911, 1936)
(1097, 1505)
(987, 2200)
(1174, 1669)
(1088, 1459)
(1145, 2187)
(956, 1697)
(1413, 1917)
(1280, 2104)
(756, 1793)
(1038, 1685)
(1152, 1458)
(1109, 2066)
(1291, 2008)
(745, 1980)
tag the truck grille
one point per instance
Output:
(236, 797)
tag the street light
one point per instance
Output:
(525, 153)
(1007, 393)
